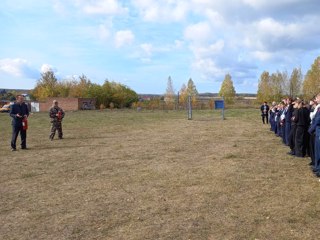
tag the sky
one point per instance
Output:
(140, 43)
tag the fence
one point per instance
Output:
(201, 103)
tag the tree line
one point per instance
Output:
(109, 94)
(274, 86)
(227, 91)
(271, 87)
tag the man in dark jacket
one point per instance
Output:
(301, 139)
(19, 112)
(264, 112)
(288, 116)
(292, 134)
(314, 107)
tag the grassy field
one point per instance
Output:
(155, 175)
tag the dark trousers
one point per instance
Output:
(311, 147)
(283, 131)
(317, 149)
(300, 141)
(23, 134)
(271, 124)
(265, 118)
(292, 137)
(287, 130)
(278, 128)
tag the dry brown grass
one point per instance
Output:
(155, 175)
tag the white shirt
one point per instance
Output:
(313, 114)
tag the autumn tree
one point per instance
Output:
(277, 84)
(192, 91)
(169, 96)
(118, 94)
(96, 91)
(46, 86)
(264, 88)
(80, 88)
(311, 84)
(64, 88)
(123, 96)
(110, 92)
(295, 82)
(183, 94)
(227, 90)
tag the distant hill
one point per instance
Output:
(16, 90)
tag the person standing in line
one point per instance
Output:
(19, 112)
(278, 119)
(282, 120)
(315, 129)
(264, 112)
(288, 116)
(56, 115)
(314, 107)
(292, 134)
(272, 115)
(303, 121)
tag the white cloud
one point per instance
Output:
(125, 37)
(17, 67)
(260, 4)
(208, 51)
(206, 48)
(215, 18)
(12, 66)
(47, 68)
(205, 59)
(108, 7)
(272, 28)
(59, 7)
(147, 49)
(262, 55)
(162, 10)
(271, 35)
(208, 68)
(198, 33)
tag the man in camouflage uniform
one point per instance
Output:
(56, 115)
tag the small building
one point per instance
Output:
(69, 104)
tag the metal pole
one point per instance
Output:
(223, 108)
(189, 108)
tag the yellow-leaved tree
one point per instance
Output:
(169, 96)
(192, 91)
(311, 84)
(295, 83)
(265, 92)
(183, 95)
(47, 86)
(227, 90)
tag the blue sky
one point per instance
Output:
(140, 43)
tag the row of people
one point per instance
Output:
(297, 123)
